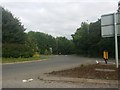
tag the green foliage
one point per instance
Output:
(36, 54)
(86, 41)
(91, 43)
(13, 37)
(12, 29)
(16, 50)
(41, 42)
(46, 52)
(46, 44)
(64, 46)
(81, 39)
(31, 41)
(13, 60)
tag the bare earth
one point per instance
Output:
(92, 71)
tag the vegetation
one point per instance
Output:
(15, 60)
(64, 46)
(13, 37)
(90, 43)
(86, 40)
(41, 42)
(17, 43)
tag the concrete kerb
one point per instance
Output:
(24, 62)
(76, 80)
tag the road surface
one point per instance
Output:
(14, 74)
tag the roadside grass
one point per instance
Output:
(14, 60)
(0, 59)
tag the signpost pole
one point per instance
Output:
(116, 41)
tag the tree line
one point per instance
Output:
(85, 41)
(16, 43)
(88, 41)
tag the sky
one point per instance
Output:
(58, 17)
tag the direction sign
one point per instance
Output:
(110, 26)
(107, 25)
(118, 23)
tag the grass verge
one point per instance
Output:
(14, 60)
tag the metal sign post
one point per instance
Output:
(110, 25)
(116, 41)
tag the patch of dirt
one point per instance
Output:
(90, 72)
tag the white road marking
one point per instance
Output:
(97, 62)
(28, 80)
(24, 81)
(106, 70)
(104, 62)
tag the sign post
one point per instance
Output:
(110, 27)
(116, 41)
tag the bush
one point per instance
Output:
(16, 50)
(46, 52)
(36, 54)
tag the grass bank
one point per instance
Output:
(14, 60)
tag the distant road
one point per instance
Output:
(13, 74)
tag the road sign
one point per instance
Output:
(110, 26)
(107, 25)
(118, 23)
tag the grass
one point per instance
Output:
(13, 60)
(0, 59)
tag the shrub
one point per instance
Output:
(36, 54)
(46, 52)
(16, 50)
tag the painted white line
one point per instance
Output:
(24, 81)
(106, 70)
(104, 62)
(97, 62)
(28, 80)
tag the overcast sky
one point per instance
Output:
(58, 17)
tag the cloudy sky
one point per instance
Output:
(58, 17)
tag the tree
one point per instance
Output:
(64, 46)
(80, 39)
(13, 37)
(31, 41)
(41, 42)
(92, 43)
(12, 29)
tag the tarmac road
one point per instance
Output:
(13, 74)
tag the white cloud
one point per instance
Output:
(59, 0)
(58, 17)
